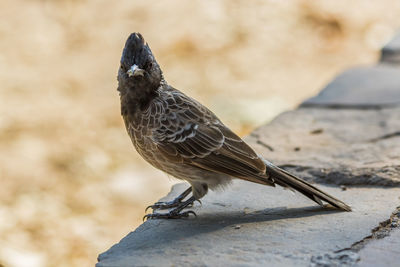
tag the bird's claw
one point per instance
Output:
(155, 206)
(169, 215)
(151, 206)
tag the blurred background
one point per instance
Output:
(71, 183)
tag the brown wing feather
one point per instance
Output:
(197, 137)
(239, 150)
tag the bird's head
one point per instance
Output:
(139, 72)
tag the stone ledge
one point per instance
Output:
(254, 225)
(391, 52)
(361, 88)
(342, 147)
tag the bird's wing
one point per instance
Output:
(188, 132)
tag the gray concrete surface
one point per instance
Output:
(381, 252)
(363, 87)
(254, 225)
(338, 146)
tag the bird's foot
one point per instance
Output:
(175, 213)
(165, 205)
(169, 215)
(170, 204)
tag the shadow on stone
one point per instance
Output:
(164, 233)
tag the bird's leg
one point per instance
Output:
(170, 204)
(174, 213)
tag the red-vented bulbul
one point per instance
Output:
(183, 138)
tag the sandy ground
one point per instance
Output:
(71, 182)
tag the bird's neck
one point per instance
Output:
(135, 101)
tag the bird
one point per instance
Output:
(181, 137)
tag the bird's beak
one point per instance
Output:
(135, 71)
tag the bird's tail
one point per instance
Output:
(285, 179)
